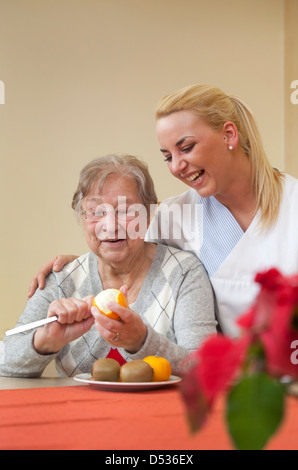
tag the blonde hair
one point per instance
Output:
(97, 171)
(216, 108)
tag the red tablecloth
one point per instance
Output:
(84, 418)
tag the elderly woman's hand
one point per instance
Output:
(74, 320)
(129, 332)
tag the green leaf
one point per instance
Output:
(255, 410)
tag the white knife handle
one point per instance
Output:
(30, 326)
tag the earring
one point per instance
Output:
(231, 147)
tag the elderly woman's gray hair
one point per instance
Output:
(97, 171)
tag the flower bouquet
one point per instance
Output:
(254, 370)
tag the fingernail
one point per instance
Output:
(94, 311)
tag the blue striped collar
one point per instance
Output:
(221, 233)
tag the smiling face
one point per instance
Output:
(196, 154)
(110, 235)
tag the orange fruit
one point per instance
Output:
(161, 367)
(106, 296)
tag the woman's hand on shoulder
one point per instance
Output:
(55, 264)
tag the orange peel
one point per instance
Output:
(102, 300)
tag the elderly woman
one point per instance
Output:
(170, 299)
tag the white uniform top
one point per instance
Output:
(179, 222)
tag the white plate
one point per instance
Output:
(126, 386)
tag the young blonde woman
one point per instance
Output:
(246, 211)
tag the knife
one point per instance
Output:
(31, 326)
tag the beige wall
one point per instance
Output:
(291, 94)
(82, 78)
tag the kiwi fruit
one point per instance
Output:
(106, 370)
(136, 371)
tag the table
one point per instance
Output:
(63, 414)
(11, 383)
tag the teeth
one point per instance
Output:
(194, 176)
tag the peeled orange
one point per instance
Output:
(106, 296)
(161, 367)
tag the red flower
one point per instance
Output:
(274, 318)
(219, 359)
(270, 331)
(280, 335)
(258, 317)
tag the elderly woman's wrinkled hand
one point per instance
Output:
(74, 320)
(129, 332)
